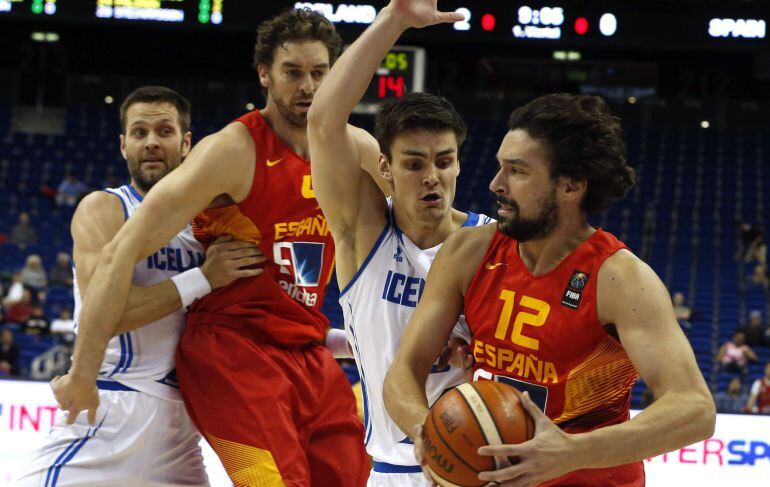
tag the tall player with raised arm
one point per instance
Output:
(255, 376)
(385, 246)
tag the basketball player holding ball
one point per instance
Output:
(557, 308)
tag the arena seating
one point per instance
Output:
(692, 186)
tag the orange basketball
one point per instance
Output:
(470, 416)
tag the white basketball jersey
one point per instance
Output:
(143, 359)
(377, 304)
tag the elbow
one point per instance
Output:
(706, 418)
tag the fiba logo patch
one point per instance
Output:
(574, 291)
(302, 260)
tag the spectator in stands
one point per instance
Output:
(23, 233)
(755, 329)
(732, 401)
(15, 291)
(734, 355)
(760, 276)
(37, 323)
(61, 273)
(20, 311)
(70, 190)
(33, 274)
(759, 401)
(751, 246)
(682, 312)
(9, 354)
(64, 326)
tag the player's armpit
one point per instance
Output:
(631, 297)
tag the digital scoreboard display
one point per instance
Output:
(589, 23)
(401, 72)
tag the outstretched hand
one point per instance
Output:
(422, 13)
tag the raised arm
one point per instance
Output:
(220, 164)
(631, 296)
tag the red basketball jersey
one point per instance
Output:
(282, 216)
(542, 334)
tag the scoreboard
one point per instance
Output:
(560, 23)
(401, 72)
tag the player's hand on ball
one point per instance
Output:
(422, 13)
(417, 437)
(74, 395)
(228, 259)
(457, 354)
(548, 455)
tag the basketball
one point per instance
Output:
(470, 416)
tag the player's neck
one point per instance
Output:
(294, 137)
(426, 235)
(542, 256)
(139, 190)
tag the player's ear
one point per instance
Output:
(263, 72)
(123, 146)
(186, 144)
(574, 189)
(383, 168)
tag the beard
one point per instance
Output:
(147, 179)
(535, 228)
(295, 119)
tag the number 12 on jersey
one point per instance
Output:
(540, 308)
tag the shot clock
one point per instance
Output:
(402, 71)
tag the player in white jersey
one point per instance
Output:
(385, 246)
(140, 434)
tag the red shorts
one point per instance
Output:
(274, 416)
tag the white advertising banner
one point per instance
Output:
(737, 455)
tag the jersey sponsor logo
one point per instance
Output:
(525, 366)
(574, 290)
(490, 266)
(175, 259)
(270, 163)
(302, 262)
(402, 289)
(312, 225)
(399, 255)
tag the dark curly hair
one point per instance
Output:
(584, 141)
(295, 25)
(416, 111)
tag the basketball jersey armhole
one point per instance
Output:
(493, 243)
(372, 251)
(122, 203)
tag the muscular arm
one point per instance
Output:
(344, 158)
(219, 164)
(429, 328)
(633, 298)
(95, 222)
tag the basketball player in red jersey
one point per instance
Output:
(254, 375)
(561, 310)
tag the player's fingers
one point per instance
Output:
(250, 260)
(240, 273)
(500, 450)
(444, 358)
(92, 416)
(503, 474)
(532, 409)
(468, 363)
(72, 415)
(449, 17)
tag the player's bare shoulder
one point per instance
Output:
(627, 283)
(98, 209)
(464, 250)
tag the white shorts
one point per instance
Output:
(386, 475)
(138, 440)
